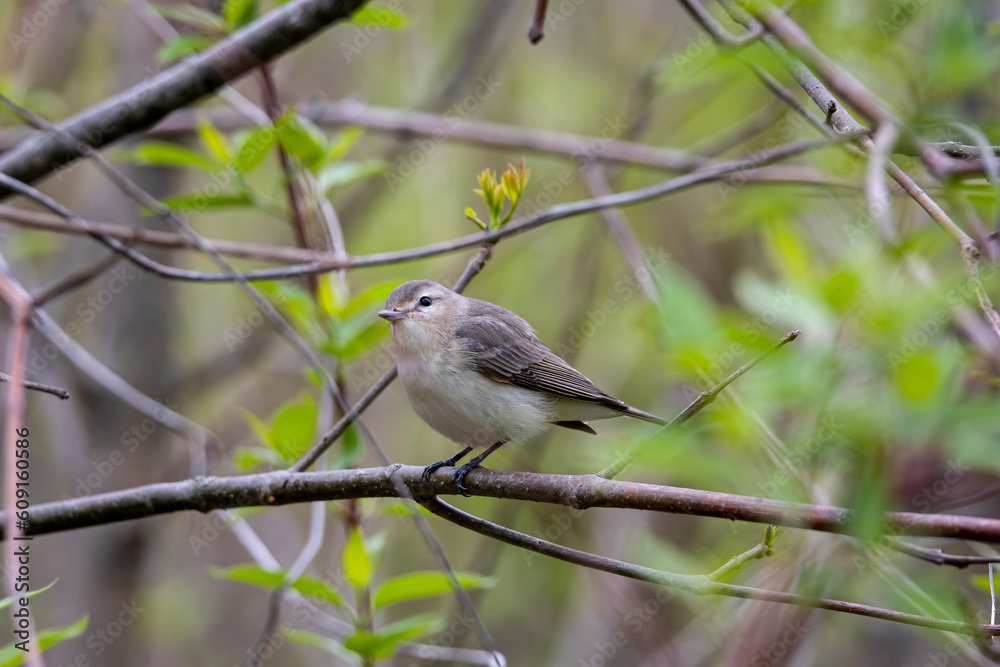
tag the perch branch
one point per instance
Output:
(284, 487)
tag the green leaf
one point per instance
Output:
(11, 656)
(425, 584)
(382, 16)
(306, 638)
(6, 602)
(292, 430)
(248, 458)
(238, 13)
(197, 201)
(350, 449)
(298, 305)
(342, 143)
(355, 560)
(471, 215)
(341, 173)
(300, 137)
(383, 643)
(372, 296)
(192, 15)
(353, 341)
(182, 46)
(917, 377)
(255, 575)
(214, 142)
(162, 153)
(253, 148)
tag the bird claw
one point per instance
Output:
(460, 477)
(429, 470)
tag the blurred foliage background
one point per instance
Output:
(888, 400)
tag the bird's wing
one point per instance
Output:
(503, 347)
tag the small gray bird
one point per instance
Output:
(478, 374)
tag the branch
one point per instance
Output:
(722, 36)
(101, 374)
(195, 77)
(716, 172)
(406, 123)
(37, 386)
(704, 398)
(938, 556)
(844, 123)
(537, 29)
(131, 235)
(697, 584)
(285, 487)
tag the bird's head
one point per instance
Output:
(422, 312)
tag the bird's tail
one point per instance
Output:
(636, 413)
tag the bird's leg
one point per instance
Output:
(442, 464)
(474, 463)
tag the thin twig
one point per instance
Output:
(101, 374)
(704, 399)
(292, 185)
(848, 87)
(537, 29)
(707, 174)
(697, 584)
(617, 223)
(845, 124)
(715, 29)
(939, 557)
(131, 235)
(37, 386)
(876, 189)
(407, 123)
(74, 278)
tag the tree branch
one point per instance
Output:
(697, 584)
(195, 77)
(703, 399)
(36, 386)
(131, 235)
(285, 487)
(708, 174)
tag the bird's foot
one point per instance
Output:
(429, 470)
(460, 477)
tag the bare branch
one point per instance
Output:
(193, 78)
(707, 174)
(715, 29)
(131, 235)
(704, 398)
(938, 556)
(697, 584)
(284, 487)
(37, 386)
(537, 29)
(75, 278)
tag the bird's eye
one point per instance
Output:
(425, 301)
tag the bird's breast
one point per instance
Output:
(466, 406)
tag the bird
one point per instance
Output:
(478, 374)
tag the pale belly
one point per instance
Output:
(472, 409)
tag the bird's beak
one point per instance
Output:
(391, 315)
